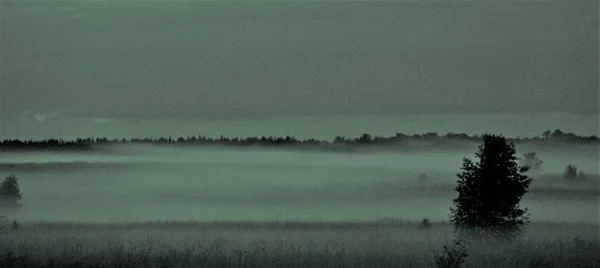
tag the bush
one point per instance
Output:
(489, 191)
(452, 257)
(425, 224)
(570, 172)
(6, 224)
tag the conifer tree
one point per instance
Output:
(489, 191)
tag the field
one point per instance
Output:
(384, 243)
(298, 133)
(151, 207)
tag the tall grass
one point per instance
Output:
(284, 244)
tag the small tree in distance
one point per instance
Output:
(10, 194)
(490, 190)
(570, 172)
(530, 159)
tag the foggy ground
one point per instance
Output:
(312, 69)
(279, 208)
(143, 183)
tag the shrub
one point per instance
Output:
(425, 224)
(452, 257)
(570, 172)
(6, 225)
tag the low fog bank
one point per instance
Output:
(167, 183)
(423, 159)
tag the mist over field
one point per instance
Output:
(141, 183)
(88, 88)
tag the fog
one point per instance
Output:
(138, 183)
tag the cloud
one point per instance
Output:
(40, 117)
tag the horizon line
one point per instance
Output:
(550, 135)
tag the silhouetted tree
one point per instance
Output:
(10, 195)
(425, 223)
(490, 190)
(570, 172)
(339, 139)
(547, 134)
(365, 138)
(557, 133)
(431, 136)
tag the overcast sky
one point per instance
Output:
(235, 60)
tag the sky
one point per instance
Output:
(103, 62)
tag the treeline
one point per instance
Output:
(365, 139)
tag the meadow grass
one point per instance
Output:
(386, 243)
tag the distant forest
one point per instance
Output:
(83, 144)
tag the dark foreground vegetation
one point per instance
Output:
(386, 243)
(85, 144)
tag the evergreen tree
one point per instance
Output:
(490, 190)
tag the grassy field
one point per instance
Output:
(383, 243)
